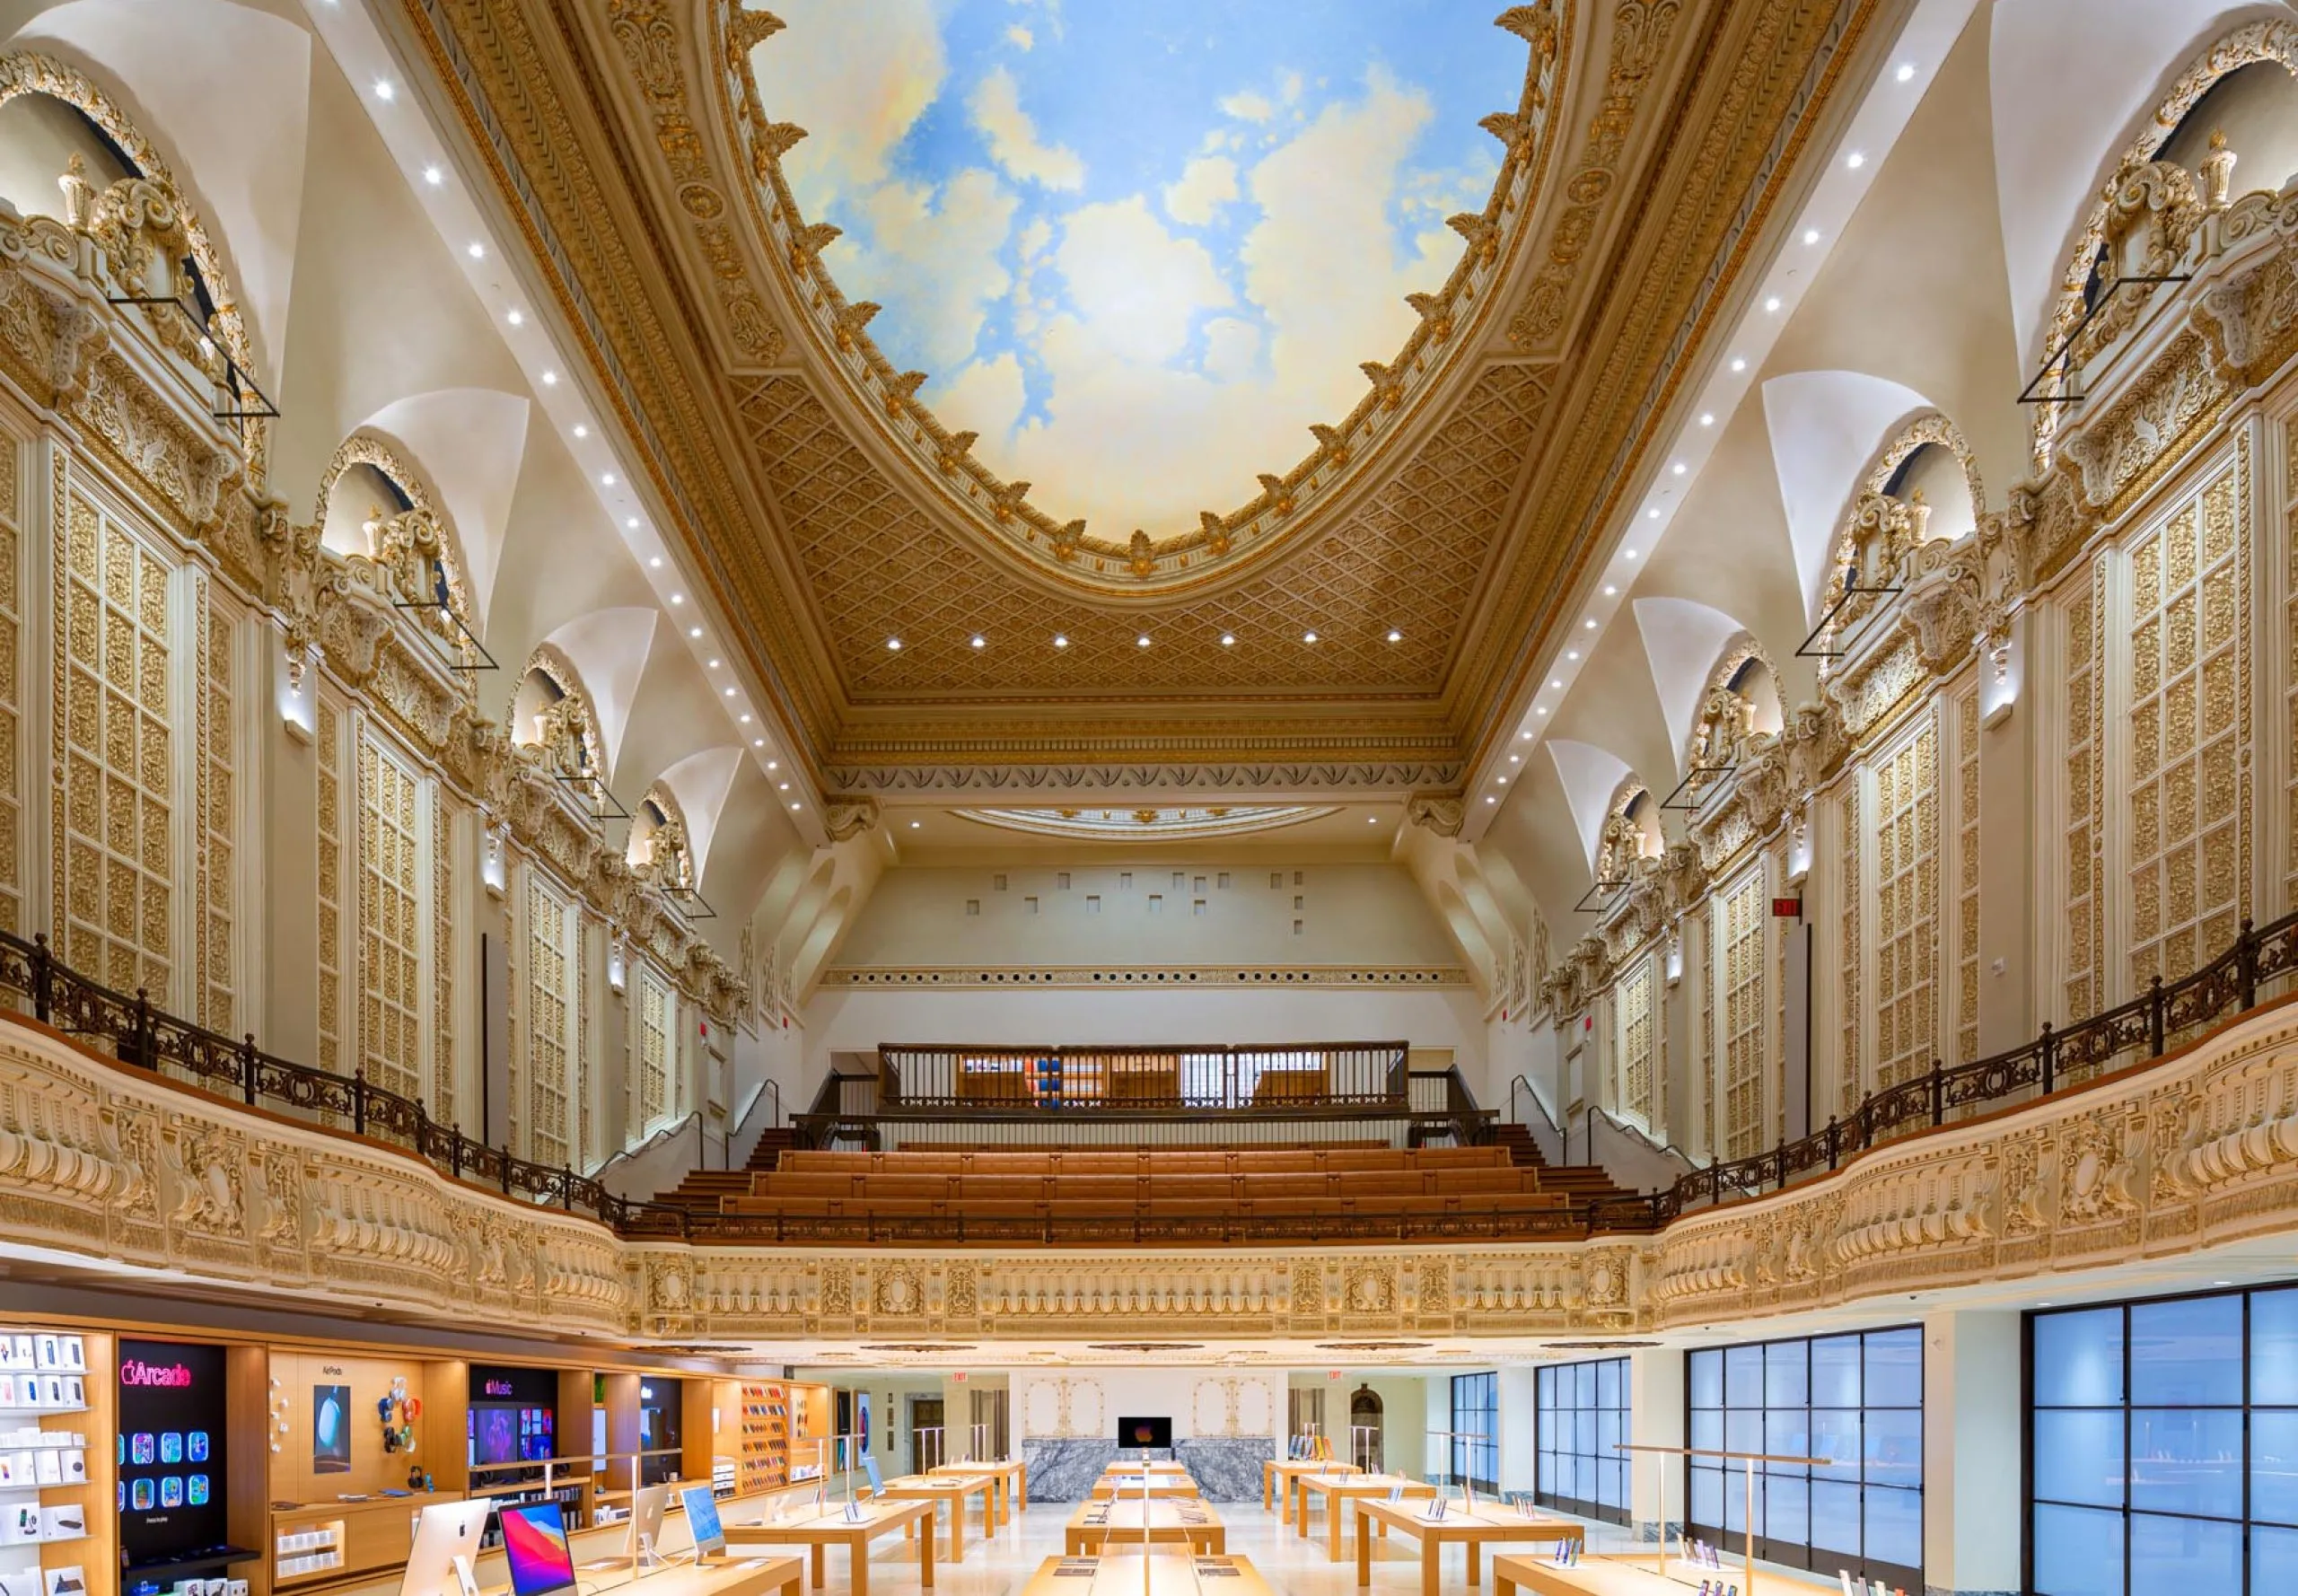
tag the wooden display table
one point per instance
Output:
(1123, 1466)
(1129, 1485)
(1614, 1576)
(717, 1576)
(951, 1488)
(819, 1531)
(1118, 1524)
(1471, 1530)
(1169, 1575)
(1277, 1477)
(1009, 1485)
(1340, 1489)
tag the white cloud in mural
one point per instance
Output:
(1207, 185)
(936, 260)
(864, 76)
(1247, 106)
(1020, 38)
(1014, 142)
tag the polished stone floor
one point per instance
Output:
(1001, 1564)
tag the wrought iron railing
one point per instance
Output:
(2168, 1013)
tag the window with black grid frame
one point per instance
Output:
(1856, 1400)
(1580, 1413)
(1475, 1442)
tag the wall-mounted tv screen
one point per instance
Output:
(514, 1416)
(1145, 1431)
(171, 1452)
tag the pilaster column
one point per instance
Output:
(1518, 1420)
(1973, 1440)
(2015, 875)
(1655, 1399)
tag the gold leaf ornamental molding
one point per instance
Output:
(1104, 977)
(1290, 508)
(116, 1167)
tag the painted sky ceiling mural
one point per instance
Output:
(1140, 250)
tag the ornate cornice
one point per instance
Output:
(905, 978)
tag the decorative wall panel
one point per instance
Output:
(1849, 1047)
(1967, 863)
(1906, 906)
(218, 819)
(327, 741)
(12, 700)
(1746, 1052)
(549, 1086)
(2188, 725)
(443, 960)
(1634, 1035)
(390, 928)
(2084, 953)
(653, 1051)
(114, 767)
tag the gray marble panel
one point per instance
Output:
(1227, 1468)
(1066, 1470)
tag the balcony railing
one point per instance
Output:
(2169, 1014)
(1285, 1079)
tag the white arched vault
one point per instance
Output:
(1683, 639)
(1825, 428)
(608, 649)
(469, 442)
(701, 783)
(238, 156)
(1590, 775)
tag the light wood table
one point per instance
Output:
(715, 1576)
(819, 1531)
(1471, 1530)
(1340, 1489)
(1276, 1479)
(1611, 1576)
(1119, 1525)
(951, 1488)
(1130, 1466)
(1129, 1485)
(1169, 1575)
(1012, 1488)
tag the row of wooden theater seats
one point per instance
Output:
(1234, 1161)
(1477, 1203)
(1129, 1189)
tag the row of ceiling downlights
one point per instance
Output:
(1143, 640)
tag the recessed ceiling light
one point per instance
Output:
(632, 523)
(1627, 554)
(774, 764)
(550, 379)
(1500, 780)
(1515, 758)
(1527, 736)
(475, 250)
(796, 807)
(581, 431)
(1142, 641)
(746, 720)
(1906, 73)
(1589, 623)
(1652, 513)
(696, 631)
(782, 785)
(678, 598)
(1489, 798)
(1810, 236)
(606, 478)
(515, 317)
(1228, 640)
(434, 176)
(1706, 419)
(760, 742)
(1541, 710)
(1556, 683)
(714, 664)
(1855, 160)
(894, 644)
(913, 825)
(1396, 637)
(978, 641)
(1680, 468)
(729, 692)
(383, 89)
(1739, 363)
(1771, 305)
(1372, 820)
(1308, 636)
(1572, 654)
(654, 562)
(1059, 641)
(1610, 590)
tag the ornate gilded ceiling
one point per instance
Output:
(1148, 824)
(1358, 620)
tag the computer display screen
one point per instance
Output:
(534, 1544)
(702, 1519)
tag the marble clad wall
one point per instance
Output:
(1226, 1468)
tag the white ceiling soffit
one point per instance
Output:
(1825, 428)
(2071, 81)
(1590, 776)
(608, 649)
(1683, 639)
(469, 442)
(702, 782)
(238, 155)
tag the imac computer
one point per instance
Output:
(446, 1540)
(702, 1519)
(644, 1539)
(534, 1544)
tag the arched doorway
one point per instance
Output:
(1365, 1429)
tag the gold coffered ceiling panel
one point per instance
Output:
(1406, 562)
